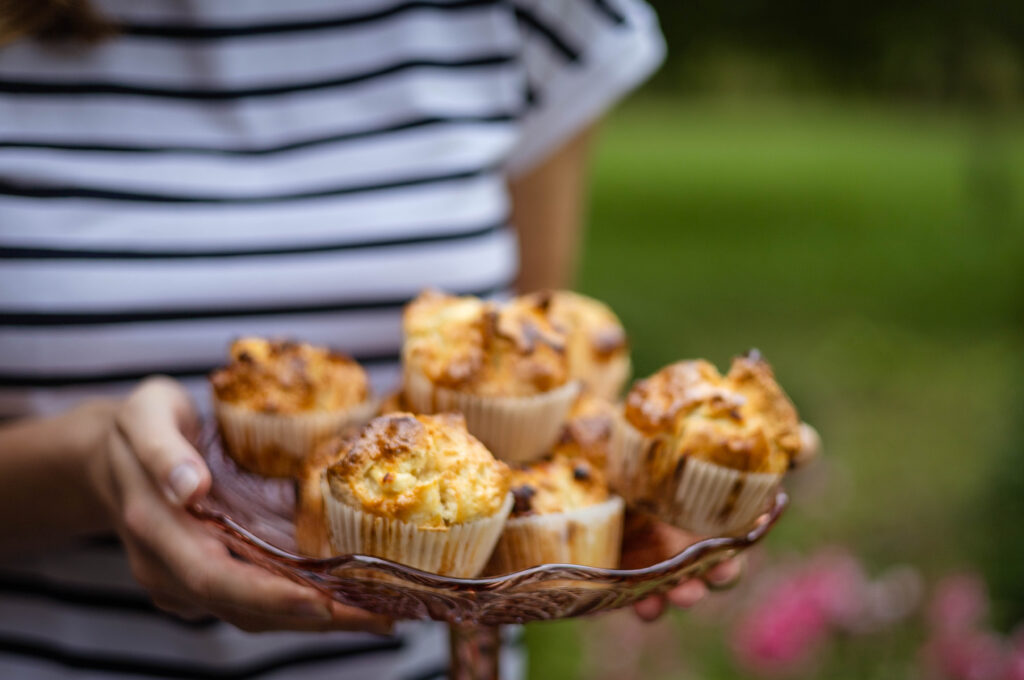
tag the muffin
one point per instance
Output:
(587, 431)
(563, 514)
(503, 366)
(419, 490)
(278, 400)
(703, 451)
(597, 348)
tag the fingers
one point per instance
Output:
(651, 608)
(354, 619)
(178, 607)
(687, 593)
(171, 595)
(346, 619)
(725, 575)
(810, 445)
(154, 420)
(690, 592)
(201, 568)
(185, 568)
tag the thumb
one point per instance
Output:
(153, 421)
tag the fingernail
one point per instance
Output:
(313, 610)
(182, 483)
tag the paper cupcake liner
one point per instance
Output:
(590, 536)
(608, 380)
(274, 445)
(461, 551)
(701, 497)
(514, 429)
(626, 452)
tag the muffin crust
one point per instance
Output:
(559, 484)
(424, 470)
(485, 348)
(742, 420)
(595, 335)
(285, 377)
(588, 430)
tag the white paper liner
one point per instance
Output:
(609, 379)
(514, 429)
(274, 445)
(460, 551)
(705, 498)
(626, 452)
(590, 536)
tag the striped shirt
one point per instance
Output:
(280, 169)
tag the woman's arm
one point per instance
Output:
(548, 207)
(44, 465)
(129, 466)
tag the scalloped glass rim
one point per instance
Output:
(691, 553)
(251, 513)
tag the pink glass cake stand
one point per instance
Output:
(254, 516)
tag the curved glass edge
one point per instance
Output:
(691, 554)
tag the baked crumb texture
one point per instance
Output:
(485, 348)
(597, 346)
(558, 484)
(422, 470)
(743, 420)
(285, 377)
(587, 431)
(562, 513)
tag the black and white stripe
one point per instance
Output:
(115, 147)
(262, 168)
(86, 591)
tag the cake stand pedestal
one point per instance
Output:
(475, 651)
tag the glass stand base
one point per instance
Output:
(475, 651)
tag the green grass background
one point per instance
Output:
(874, 254)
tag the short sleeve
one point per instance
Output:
(579, 58)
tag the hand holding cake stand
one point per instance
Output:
(532, 383)
(254, 516)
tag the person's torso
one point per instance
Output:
(222, 169)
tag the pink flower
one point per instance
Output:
(780, 635)
(836, 582)
(968, 656)
(1015, 657)
(793, 619)
(959, 604)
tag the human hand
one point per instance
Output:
(145, 473)
(648, 542)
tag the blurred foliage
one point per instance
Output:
(875, 254)
(953, 50)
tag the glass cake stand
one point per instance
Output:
(254, 517)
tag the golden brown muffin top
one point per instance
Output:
(587, 432)
(485, 348)
(424, 470)
(559, 484)
(281, 376)
(742, 420)
(596, 335)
